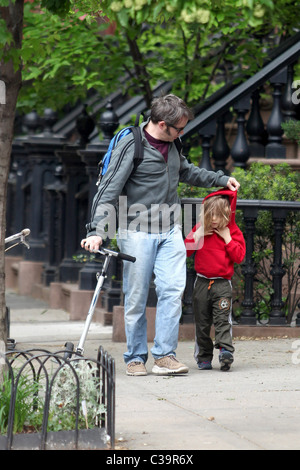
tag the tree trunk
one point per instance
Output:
(10, 74)
(140, 70)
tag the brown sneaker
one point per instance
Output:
(136, 368)
(169, 365)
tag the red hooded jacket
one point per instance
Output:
(213, 257)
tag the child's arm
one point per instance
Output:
(235, 245)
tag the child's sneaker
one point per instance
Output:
(225, 359)
(205, 365)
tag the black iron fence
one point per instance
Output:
(50, 403)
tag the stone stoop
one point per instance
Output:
(76, 302)
(70, 298)
(22, 275)
(103, 317)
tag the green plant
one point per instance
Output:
(62, 411)
(84, 257)
(186, 191)
(292, 130)
(27, 404)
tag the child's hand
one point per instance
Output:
(224, 233)
(208, 232)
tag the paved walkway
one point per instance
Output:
(255, 406)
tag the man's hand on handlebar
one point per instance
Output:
(92, 243)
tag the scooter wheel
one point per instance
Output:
(69, 348)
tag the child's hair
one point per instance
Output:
(218, 205)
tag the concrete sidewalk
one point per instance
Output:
(255, 406)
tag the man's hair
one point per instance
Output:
(169, 108)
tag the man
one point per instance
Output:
(154, 239)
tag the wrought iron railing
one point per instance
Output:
(253, 138)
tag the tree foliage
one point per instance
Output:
(135, 44)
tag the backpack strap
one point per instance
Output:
(178, 144)
(138, 148)
(138, 144)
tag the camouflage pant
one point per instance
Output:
(212, 305)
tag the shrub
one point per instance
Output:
(292, 130)
(62, 412)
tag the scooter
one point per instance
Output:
(69, 347)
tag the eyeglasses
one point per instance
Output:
(177, 129)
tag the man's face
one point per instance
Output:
(170, 131)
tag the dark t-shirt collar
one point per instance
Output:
(161, 145)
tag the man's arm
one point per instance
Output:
(201, 177)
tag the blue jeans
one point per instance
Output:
(165, 255)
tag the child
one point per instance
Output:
(218, 243)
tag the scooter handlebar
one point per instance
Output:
(123, 256)
(25, 232)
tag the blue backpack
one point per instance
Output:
(138, 152)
